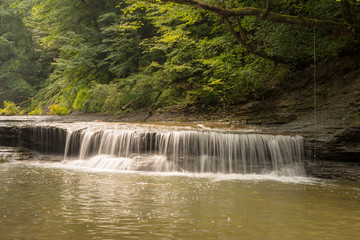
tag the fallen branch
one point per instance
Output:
(128, 104)
(57, 89)
(28, 100)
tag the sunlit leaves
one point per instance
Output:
(107, 55)
(9, 109)
(55, 109)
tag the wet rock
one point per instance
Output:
(8, 154)
(8, 136)
(344, 145)
(337, 147)
(336, 170)
(46, 140)
(334, 153)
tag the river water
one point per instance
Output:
(136, 181)
(51, 201)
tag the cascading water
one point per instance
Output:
(191, 151)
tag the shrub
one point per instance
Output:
(57, 110)
(9, 109)
(36, 111)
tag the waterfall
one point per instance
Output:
(190, 151)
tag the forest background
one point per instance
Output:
(121, 56)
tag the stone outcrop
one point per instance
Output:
(46, 140)
(337, 149)
(343, 146)
(8, 154)
(337, 155)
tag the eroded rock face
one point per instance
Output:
(8, 154)
(9, 136)
(344, 146)
(46, 140)
(337, 144)
(334, 153)
(336, 170)
(337, 149)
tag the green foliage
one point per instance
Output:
(134, 92)
(9, 109)
(7, 50)
(23, 65)
(293, 44)
(256, 79)
(81, 97)
(119, 56)
(14, 88)
(97, 96)
(36, 111)
(57, 110)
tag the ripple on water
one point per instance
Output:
(48, 201)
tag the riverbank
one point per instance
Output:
(325, 109)
(332, 147)
(331, 130)
(336, 153)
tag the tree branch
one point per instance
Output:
(266, 14)
(346, 11)
(267, 6)
(243, 41)
(243, 35)
(28, 100)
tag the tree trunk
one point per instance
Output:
(346, 12)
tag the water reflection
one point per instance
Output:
(52, 203)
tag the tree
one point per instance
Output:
(114, 55)
(234, 14)
(23, 65)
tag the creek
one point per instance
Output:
(95, 180)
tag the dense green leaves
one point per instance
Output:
(120, 55)
(9, 109)
(23, 65)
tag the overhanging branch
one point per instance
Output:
(241, 38)
(265, 14)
